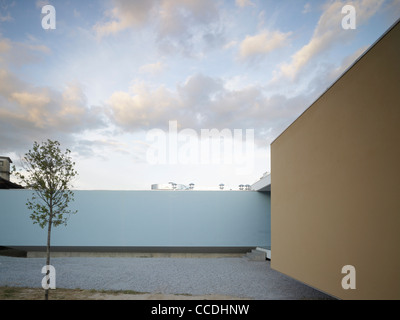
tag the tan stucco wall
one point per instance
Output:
(335, 180)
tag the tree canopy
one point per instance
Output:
(49, 172)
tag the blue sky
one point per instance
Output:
(112, 71)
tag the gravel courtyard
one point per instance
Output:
(238, 277)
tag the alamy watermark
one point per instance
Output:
(49, 20)
(49, 280)
(349, 280)
(210, 147)
(349, 20)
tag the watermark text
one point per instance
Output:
(49, 280)
(49, 20)
(211, 146)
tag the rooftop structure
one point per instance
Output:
(5, 168)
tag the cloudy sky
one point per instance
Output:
(113, 72)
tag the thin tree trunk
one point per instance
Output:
(46, 292)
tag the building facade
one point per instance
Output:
(335, 183)
(5, 163)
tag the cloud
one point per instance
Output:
(188, 27)
(307, 8)
(173, 16)
(30, 113)
(5, 46)
(77, 13)
(102, 148)
(6, 18)
(20, 53)
(262, 43)
(327, 33)
(27, 99)
(230, 44)
(125, 14)
(44, 108)
(142, 107)
(41, 3)
(152, 68)
(204, 102)
(244, 3)
(199, 89)
(179, 25)
(176, 16)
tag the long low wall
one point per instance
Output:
(144, 219)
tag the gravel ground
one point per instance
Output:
(237, 277)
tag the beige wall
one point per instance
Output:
(335, 180)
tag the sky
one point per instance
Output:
(184, 91)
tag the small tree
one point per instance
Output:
(49, 173)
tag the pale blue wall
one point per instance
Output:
(145, 218)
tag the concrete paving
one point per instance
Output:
(237, 276)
